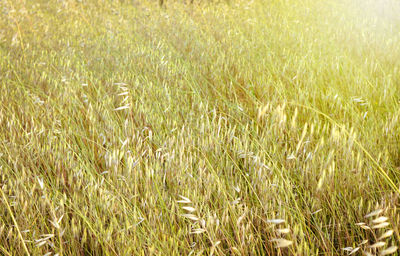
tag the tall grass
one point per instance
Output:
(226, 128)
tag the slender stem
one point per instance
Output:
(15, 222)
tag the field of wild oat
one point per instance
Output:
(263, 127)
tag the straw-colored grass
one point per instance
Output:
(228, 128)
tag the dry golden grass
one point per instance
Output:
(213, 128)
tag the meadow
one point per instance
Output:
(261, 127)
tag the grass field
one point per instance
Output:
(263, 127)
